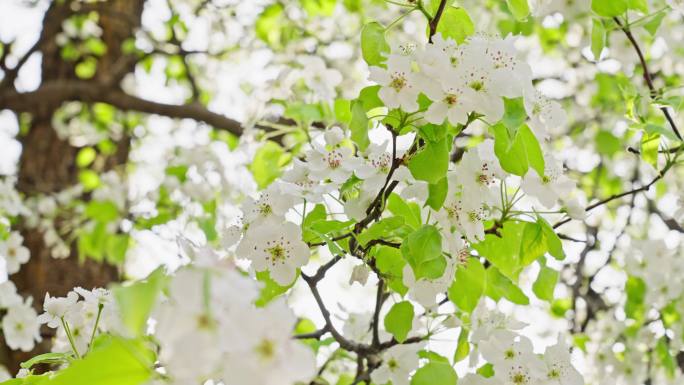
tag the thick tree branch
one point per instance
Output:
(434, 22)
(56, 92)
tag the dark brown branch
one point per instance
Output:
(647, 75)
(56, 92)
(613, 197)
(435, 20)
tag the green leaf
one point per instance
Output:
(466, 290)
(532, 244)
(654, 22)
(609, 8)
(516, 154)
(359, 125)
(665, 357)
(89, 179)
(437, 193)
(598, 38)
(391, 264)
(499, 286)
(456, 24)
(85, 157)
(650, 143)
(369, 97)
(638, 5)
(342, 108)
(514, 113)
(553, 243)
(137, 300)
(270, 289)
(431, 162)
(636, 294)
(519, 8)
(486, 370)
(114, 361)
(374, 48)
(435, 373)
(102, 211)
(269, 24)
(46, 358)
(545, 284)
(399, 320)
(463, 347)
(422, 249)
(319, 7)
(317, 214)
(267, 163)
(410, 211)
(518, 246)
(607, 144)
(380, 229)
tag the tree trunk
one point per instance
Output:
(47, 163)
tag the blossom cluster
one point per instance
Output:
(208, 327)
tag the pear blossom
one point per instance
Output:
(20, 327)
(56, 308)
(8, 295)
(399, 84)
(545, 115)
(270, 204)
(551, 186)
(318, 77)
(452, 101)
(13, 252)
(376, 166)
(504, 347)
(424, 290)
(397, 363)
(436, 58)
(298, 182)
(559, 370)
(333, 161)
(485, 321)
(276, 247)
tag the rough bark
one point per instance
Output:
(47, 164)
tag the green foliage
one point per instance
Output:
(499, 286)
(520, 244)
(435, 373)
(431, 162)
(518, 150)
(598, 38)
(456, 24)
(399, 320)
(437, 193)
(359, 125)
(636, 294)
(519, 8)
(609, 8)
(268, 163)
(545, 284)
(463, 346)
(136, 301)
(270, 289)
(466, 290)
(374, 48)
(410, 211)
(422, 249)
(390, 263)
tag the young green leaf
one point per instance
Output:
(399, 320)
(456, 24)
(435, 373)
(374, 48)
(545, 284)
(519, 8)
(431, 163)
(468, 286)
(422, 249)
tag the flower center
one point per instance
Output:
(451, 99)
(398, 81)
(278, 253)
(265, 349)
